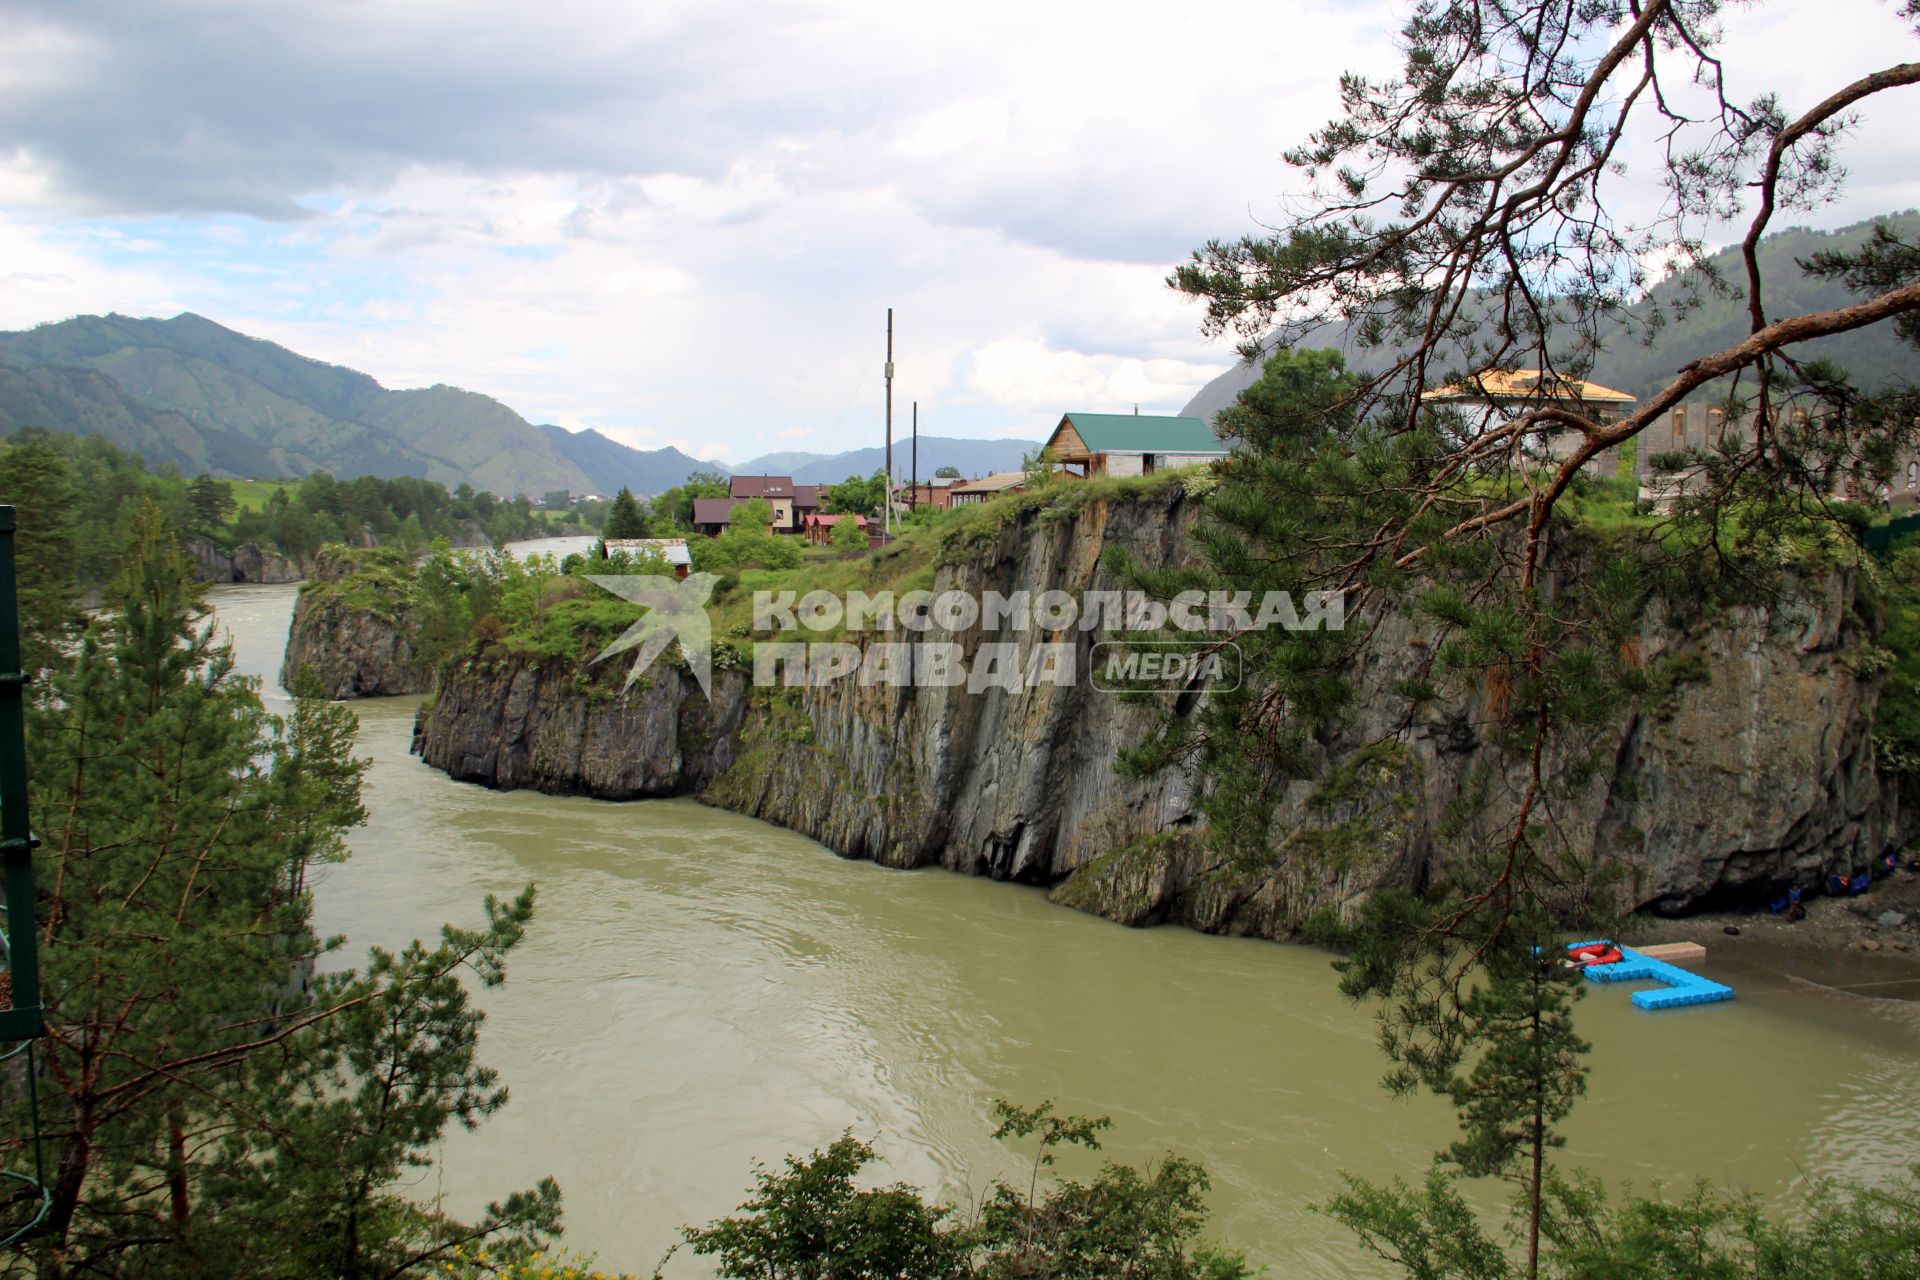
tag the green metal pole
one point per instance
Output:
(23, 1020)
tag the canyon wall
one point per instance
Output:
(1756, 772)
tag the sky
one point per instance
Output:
(683, 223)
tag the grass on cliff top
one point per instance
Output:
(930, 540)
(376, 580)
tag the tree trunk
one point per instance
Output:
(177, 1165)
(1539, 1145)
(65, 1199)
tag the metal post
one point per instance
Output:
(23, 1020)
(913, 477)
(886, 498)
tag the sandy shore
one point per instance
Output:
(1842, 943)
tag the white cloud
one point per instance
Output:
(681, 224)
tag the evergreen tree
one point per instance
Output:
(1530, 1066)
(212, 1106)
(625, 518)
(210, 501)
(38, 484)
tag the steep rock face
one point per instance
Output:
(355, 652)
(245, 563)
(538, 725)
(1760, 772)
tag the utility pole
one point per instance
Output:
(913, 478)
(886, 497)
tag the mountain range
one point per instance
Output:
(193, 393)
(972, 457)
(1873, 356)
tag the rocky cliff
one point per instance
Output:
(248, 562)
(355, 638)
(1758, 772)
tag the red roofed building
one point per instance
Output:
(819, 528)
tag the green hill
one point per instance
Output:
(1873, 356)
(198, 395)
(614, 465)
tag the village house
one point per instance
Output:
(1697, 426)
(1506, 394)
(1702, 426)
(790, 503)
(1131, 444)
(818, 528)
(937, 493)
(672, 550)
(987, 488)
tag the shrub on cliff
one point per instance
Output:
(810, 1220)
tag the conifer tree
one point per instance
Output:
(210, 1105)
(625, 518)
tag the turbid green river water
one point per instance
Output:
(700, 990)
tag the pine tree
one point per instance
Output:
(38, 484)
(625, 518)
(1529, 1071)
(211, 1106)
(209, 503)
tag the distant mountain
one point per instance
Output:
(1874, 356)
(973, 457)
(198, 395)
(778, 464)
(610, 464)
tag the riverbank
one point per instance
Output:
(1867, 946)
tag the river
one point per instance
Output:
(700, 990)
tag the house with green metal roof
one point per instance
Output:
(1132, 444)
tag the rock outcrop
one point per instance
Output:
(1757, 773)
(353, 651)
(248, 562)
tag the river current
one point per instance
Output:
(701, 990)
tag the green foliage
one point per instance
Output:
(747, 542)
(1041, 467)
(209, 503)
(854, 496)
(1840, 1232)
(1896, 720)
(1429, 1232)
(810, 1221)
(39, 484)
(946, 473)
(89, 490)
(849, 536)
(189, 393)
(625, 518)
(673, 510)
(213, 1105)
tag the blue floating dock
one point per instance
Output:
(1679, 988)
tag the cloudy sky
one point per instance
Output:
(683, 222)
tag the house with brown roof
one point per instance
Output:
(789, 502)
(987, 488)
(819, 528)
